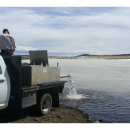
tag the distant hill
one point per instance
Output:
(103, 55)
(85, 55)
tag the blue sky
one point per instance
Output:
(68, 31)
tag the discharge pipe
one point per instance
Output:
(65, 75)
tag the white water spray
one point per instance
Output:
(73, 92)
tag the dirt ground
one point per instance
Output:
(56, 115)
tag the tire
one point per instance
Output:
(45, 104)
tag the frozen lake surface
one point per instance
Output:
(105, 84)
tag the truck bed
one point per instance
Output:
(30, 93)
(43, 86)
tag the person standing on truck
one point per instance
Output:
(7, 43)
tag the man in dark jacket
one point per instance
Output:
(7, 43)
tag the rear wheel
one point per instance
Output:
(45, 104)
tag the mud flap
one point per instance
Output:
(55, 97)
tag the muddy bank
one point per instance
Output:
(57, 115)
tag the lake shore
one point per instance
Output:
(56, 115)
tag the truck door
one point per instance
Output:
(4, 85)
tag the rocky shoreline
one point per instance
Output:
(56, 115)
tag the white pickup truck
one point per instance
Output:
(5, 87)
(15, 95)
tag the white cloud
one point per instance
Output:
(24, 48)
(101, 33)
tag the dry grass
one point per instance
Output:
(60, 57)
(107, 57)
(91, 57)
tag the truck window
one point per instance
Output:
(0, 70)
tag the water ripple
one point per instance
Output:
(100, 105)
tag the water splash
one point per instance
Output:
(73, 92)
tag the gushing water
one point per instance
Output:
(73, 92)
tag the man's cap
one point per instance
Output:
(5, 30)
